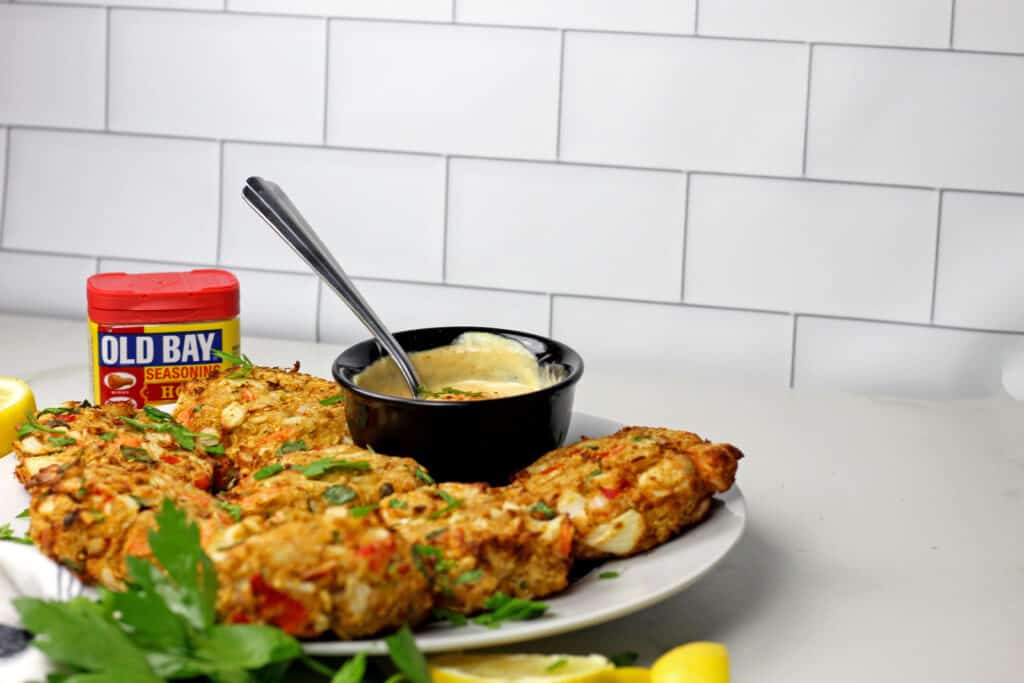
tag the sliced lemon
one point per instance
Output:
(630, 674)
(16, 399)
(699, 662)
(520, 669)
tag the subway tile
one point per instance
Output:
(910, 361)
(3, 173)
(44, 285)
(939, 119)
(281, 305)
(920, 23)
(382, 214)
(980, 278)
(87, 193)
(996, 25)
(158, 4)
(212, 75)
(423, 10)
(437, 88)
(702, 344)
(813, 247)
(406, 305)
(52, 61)
(564, 228)
(684, 103)
(656, 16)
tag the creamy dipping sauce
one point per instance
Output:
(476, 366)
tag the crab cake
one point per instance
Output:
(258, 412)
(313, 481)
(317, 573)
(473, 542)
(633, 490)
(89, 517)
(115, 435)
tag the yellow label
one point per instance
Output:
(148, 364)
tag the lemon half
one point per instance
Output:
(16, 399)
(519, 668)
(699, 662)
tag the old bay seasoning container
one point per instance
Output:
(149, 333)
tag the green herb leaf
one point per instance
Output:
(23, 514)
(624, 659)
(557, 664)
(352, 671)
(340, 398)
(591, 446)
(234, 510)
(61, 441)
(228, 648)
(60, 410)
(268, 471)
(503, 608)
(543, 509)
(215, 449)
(242, 362)
(609, 575)
(451, 503)
(407, 657)
(108, 436)
(595, 473)
(643, 438)
(33, 425)
(137, 455)
(471, 576)
(437, 532)
(456, 619)
(156, 414)
(362, 510)
(7, 534)
(292, 446)
(339, 494)
(325, 465)
(177, 548)
(397, 504)
(424, 477)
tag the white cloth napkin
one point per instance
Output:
(24, 571)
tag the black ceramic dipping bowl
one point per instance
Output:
(486, 440)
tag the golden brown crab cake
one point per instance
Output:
(256, 412)
(89, 517)
(633, 490)
(313, 481)
(472, 542)
(315, 573)
(135, 440)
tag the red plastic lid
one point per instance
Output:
(189, 296)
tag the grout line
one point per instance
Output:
(327, 75)
(319, 299)
(696, 17)
(935, 263)
(686, 232)
(454, 12)
(220, 201)
(5, 195)
(792, 353)
(106, 74)
(807, 108)
(561, 87)
(96, 267)
(551, 316)
(444, 219)
(952, 22)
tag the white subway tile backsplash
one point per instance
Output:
(37, 284)
(566, 228)
(406, 305)
(217, 75)
(900, 360)
(989, 25)
(3, 174)
(918, 117)
(112, 195)
(281, 305)
(684, 103)
(721, 346)
(382, 214)
(813, 247)
(980, 281)
(159, 4)
(920, 23)
(52, 65)
(452, 89)
(655, 16)
(423, 10)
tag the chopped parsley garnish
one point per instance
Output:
(609, 575)
(108, 436)
(241, 362)
(471, 576)
(595, 473)
(638, 437)
(557, 664)
(164, 423)
(215, 449)
(397, 504)
(503, 608)
(406, 657)
(339, 494)
(325, 465)
(424, 477)
(7, 534)
(61, 441)
(445, 614)
(60, 410)
(437, 532)
(624, 659)
(268, 471)
(421, 552)
(447, 391)
(362, 510)
(33, 425)
(23, 514)
(451, 503)
(591, 446)
(292, 446)
(340, 398)
(543, 509)
(234, 510)
(136, 455)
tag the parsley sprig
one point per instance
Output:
(163, 422)
(241, 362)
(7, 534)
(33, 425)
(451, 503)
(501, 607)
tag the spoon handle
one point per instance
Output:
(274, 206)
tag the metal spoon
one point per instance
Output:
(273, 205)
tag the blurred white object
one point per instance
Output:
(1013, 376)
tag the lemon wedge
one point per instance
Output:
(16, 399)
(699, 662)
(520, 669)
(630, 674)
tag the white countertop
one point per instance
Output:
(885, 540)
